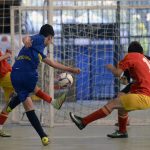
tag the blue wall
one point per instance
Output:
(95, 82)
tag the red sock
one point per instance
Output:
(3, 117)
(122, 120)
(101, 113)
(44, 96)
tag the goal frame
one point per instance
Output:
(50, 8)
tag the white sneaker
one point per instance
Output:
(57, 103)
(4, 133)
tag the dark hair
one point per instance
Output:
(135, 47)
(47, 30)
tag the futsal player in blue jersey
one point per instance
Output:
(24, 76)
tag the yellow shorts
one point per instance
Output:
(135, 101)
(5, 83)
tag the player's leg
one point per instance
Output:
(122, 122)
(38, 92)
(130, 102)
(117, 123)
(101, 113)
(28, 105)
(57, 103)
(14, 101)
(23, 88)
(125, 90)
(5, 83)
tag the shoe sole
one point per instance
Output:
(117, 137)
(62, 102)
(5, 136)
(73, 119)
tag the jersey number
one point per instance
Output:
(147, 63)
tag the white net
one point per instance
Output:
(5, 38)
(89, 35)
(93, 34)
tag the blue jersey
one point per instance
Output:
(29, 58)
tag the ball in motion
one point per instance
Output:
(65, 80)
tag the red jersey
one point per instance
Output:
(139, 69)
(5, 67)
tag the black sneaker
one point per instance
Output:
(118, 134)
(77, 120)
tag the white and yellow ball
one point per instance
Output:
(65, 80)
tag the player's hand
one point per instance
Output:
(123, 80)
(8, 51)
(75, 70)
(27, 41)
(109, 66)
(8, 55)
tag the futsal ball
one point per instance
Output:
(65, 80)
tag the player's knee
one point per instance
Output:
(120, 94)
(113, 104)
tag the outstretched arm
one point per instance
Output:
(116, 71)
(60, 66)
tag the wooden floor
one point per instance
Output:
(70, 138)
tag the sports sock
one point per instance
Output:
(1, 127)
(44, 96)
(35, 123)
(3, 118)
(101, 113)
(14, 101)
(122, 120)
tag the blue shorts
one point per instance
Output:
(24, 83)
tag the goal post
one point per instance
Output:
(88, 37)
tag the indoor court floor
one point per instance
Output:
(70, 138)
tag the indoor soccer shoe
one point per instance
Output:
(59, 101)
(45, 141)
(4, 134)
(77, 120)
(118, 134)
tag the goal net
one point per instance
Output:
(89, 35)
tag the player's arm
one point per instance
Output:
(60, 66)
(126, 77)
(123, 65)
(148, 57)
(116, 71)
(27, 41)
(5, 56)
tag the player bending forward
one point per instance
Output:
(138, 98)
(24, 77)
